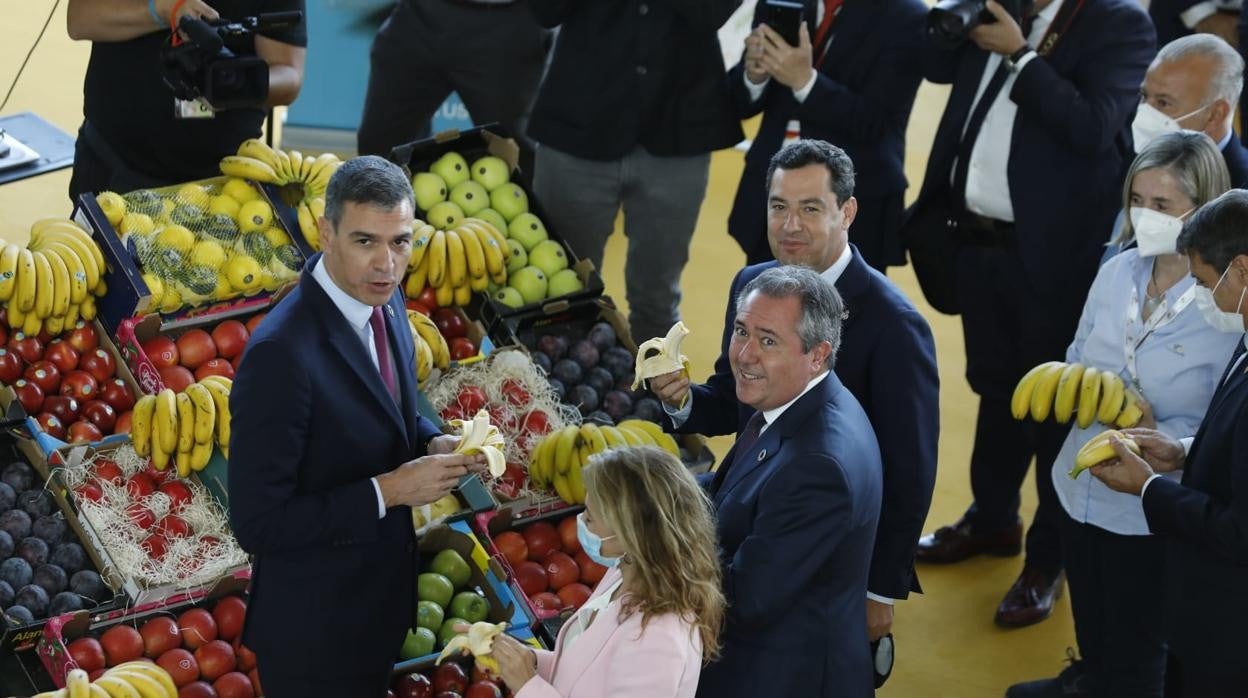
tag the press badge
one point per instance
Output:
(192, 109)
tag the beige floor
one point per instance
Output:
(947, 644)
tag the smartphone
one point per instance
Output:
(786, 17)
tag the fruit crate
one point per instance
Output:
(492, 139)
(50, 442)
(62, 631)
(442, 681)
(133, 333)
(20, 668)
(486, 576)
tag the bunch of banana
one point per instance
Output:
(431, 348)
(457, 262)
(259, 162)
(1084, 392)
(52, 282)
(479, 436)
(185, 426)
(127, 680)
(1100, 449)
(661, 355)
(479, 642)
(557, 459)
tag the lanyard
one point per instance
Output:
(1160, 317)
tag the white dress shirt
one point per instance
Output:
(987, 178)
(1203, 10)
(799, 93)
(357, 315)
(589, 612)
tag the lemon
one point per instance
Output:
(166, 208)
(276, 236)
(171, 300)
(254, 216)
(243, 273)
(208, 253)
(269, 280)
(176, 237)
(223, 291)
(156, 287)
(114, 207)
(137, 223)
(239, 190)
(193, 194)
(224, 204)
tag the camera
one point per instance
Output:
(217, 62)
(951, 21)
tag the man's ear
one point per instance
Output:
(1219, 111)
(819, 354)
(325, 226)
(850, 211)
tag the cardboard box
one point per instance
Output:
(491, 523)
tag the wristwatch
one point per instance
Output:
(1012, 60)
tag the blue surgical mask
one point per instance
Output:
(592, 544)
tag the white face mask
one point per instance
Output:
(1219, 318)
(1155, 232)
(1150, 123)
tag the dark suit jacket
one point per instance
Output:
(887, 360)
(1206, 521)
(1071, 142)
(795, 524)
(635, 72)
(333, 586)
(1236, 157)
(1165, 16)
(861, 102)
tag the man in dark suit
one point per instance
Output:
(1194, 83)
(632, 105)
(328, 452)
(851, 81)
(1176, 18)
(1021, 189)
(887, 358)
(1204, 515)
(797, 500)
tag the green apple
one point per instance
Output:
(451, 565)
(418, 643)
(430, 190)
(528, 229)
(446, 215)
(494, 218)
(470, 197)
(470, 606)
(530, 282)
(448, 630)
(429, 615)
(452, 168)
(491, 172)
(518, 258)
(509, 200)
(548, 256)
(509, 297)
(562, 283)
(434, 587)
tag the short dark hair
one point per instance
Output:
(812, 152)
(1218, 231)
(822, 308)
(367, 179)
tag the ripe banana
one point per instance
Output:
(463, 295)
(259, 150)
(60, 284)
(445, 295)
(115, 687)
(495, 258)
(1044, 392)
(667, 358)
(565, 447)
(1067, 392)
(437, 259)
(143, 684)
(456, 262)
(656, 434)
(479, 642)
(250, 168)
(1131, 413)
(633, 438)
(592, 440)
(44, 286)
(473, 252)
(141, 425)
(415, 282)
(1113, 397)
(479, 436)
(24, 294)
(79, 271)
(429, 332)
(186, 421)
(8, 271)
(424, 357)
(220, 391)
(1020, 403)
(205, 413)
(613, 437)
(152, 671)
(420, 244)
(165, 421)
(1089, 397)
(1100, 449)
(77, 684)
(540, 464)
(308, 225)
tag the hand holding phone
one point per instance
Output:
(784, 16)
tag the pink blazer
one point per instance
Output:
(614, 659)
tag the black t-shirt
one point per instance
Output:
(128, 102)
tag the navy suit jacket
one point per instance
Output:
(333, 586)
(1206, 521)
(861, 102)
(796, 519)
(1236, 157)
(887, 360)
(1165, 16)
(1071, 142)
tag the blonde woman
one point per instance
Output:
(655, 617)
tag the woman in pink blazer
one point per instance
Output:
(654, 619)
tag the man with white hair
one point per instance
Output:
(1194, 83)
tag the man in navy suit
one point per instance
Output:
(851, 81)
(887, 357)
(328, 452)
(1205, 515)
(796, 500)
(1021, 189)
(1176, 18)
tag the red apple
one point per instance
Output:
(254, 674)
(215, 367)
(180, 664)
(83, 338)
(450, 677)
(234, 685)
(160, 635)
(11, 366)
(64, 356)
(123, 422)
(29, 348)
(122, 643)
(483, 689)
(44, 374)
(198, 628)
(140, 486)
(229, 613)
(450, 323)
(216, 659)
(101, 414)
(195, 347)
(462, 348)
(531, 577)
(173, 526)
(30, 395)
(429, 298)
(574, 595)
(51, 425)
(230, 337)
(561, 569)
(4, 327)
(116, 393)
(81, 385)
(567, 534)
(179, 494)
(413, 685)
(83, 432)
(64, 407)
(87, 653)
(98, 363)
(413, 304)
(236, 362)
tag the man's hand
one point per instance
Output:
(672, 388)
(789, 65)
(1221, 24)
(753, 57)
(1162, 453)
(197, 9)
(879, 619)
(1127, 473)
(426, 479)
(1002, 36)
(446, 443)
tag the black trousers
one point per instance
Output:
(876, 232)
(1117, 608)
(1009, 328)
(493, 56)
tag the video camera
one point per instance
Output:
(951, 21)
(217, 61)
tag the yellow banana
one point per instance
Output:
(1020, 403)
(1113, 396)
(414, 284)
(538, 462)
(54, 325)
(437, 259)
(16, 317)
(560, 483)
(565, 447)
(478, 284)
(77, 684)
(60, 284)
(591, 436)
(97, 691)
(445, 295)
(660, 438)
(308, 225)
(79, 278)
(205, 413)
(200, 455)
(495, 259)
(421, 238)
(613, 437)
(1131, 413)
(150, 670)
(33, 325)
(249, 168)
(72, 315)
(115, 687)
(632, 438)
(456, 263)
(463, 295)
(576, 483)
(473, 252)
(221, 399)
(1067, 392)
(8, 271)
(65, 231)
(296, 165)
(1100, 449)
(165, 421)
(259, 150)
(1046, 388)
(660, 355)
(429, 332)
(45, 286)
(479, 436)
(24, 294)
(86, 309)
(141, 425)
(424, 357)
(1089, 397)
(143, 684)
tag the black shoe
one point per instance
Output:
(1073, 682)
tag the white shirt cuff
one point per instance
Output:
(381, 501)
(804, 92)
(1031, 56)
(1187, 444)
(1148, 482)
(881, 599)
(679, 415)
(1198, 13)
(755, 90)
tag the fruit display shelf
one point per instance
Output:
(178, 357)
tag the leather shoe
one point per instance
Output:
(1071, 683)
(958, 542)
(1031, 598)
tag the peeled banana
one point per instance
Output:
(479, 436)
(479, 642)
(666, 357)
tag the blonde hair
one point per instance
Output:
(1192, 158)
(664, 522)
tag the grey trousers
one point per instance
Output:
(660, 197)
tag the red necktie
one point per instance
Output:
(830, 9)
(382, 343)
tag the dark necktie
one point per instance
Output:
(381, 341)
(745, 444)
(1240, 348)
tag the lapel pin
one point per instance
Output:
(390, 309)
(762, 454)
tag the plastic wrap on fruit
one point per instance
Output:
(661, 355)
(479, 642)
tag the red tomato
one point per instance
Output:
(547, 601)
(574, 595)
(531, 577)
(567, 534)
(461, 348)
(64, 356)
(542, 538)
(246, 658)
(161, 351)
(87, 653)
(107, 471)
(515, 393)
(160, 635)
(44, 374)
(140, 485)
(591, 572)
(116, 393)
(122, 643)
(82, 432)
(90, 491)
(413, 304)
(230, 337)
(196, 347)
(471, 399)
(253, 323)
(561, 570)
(11, 366)
(29, 348)
(197, 689)
(429, 298)
(216, 659)
(450, 322)
(30, 395)
(234, 685)
(215, 367)
(80, 385)
(198, 628)
(179, 494)
(99, 363)
(229, 613)
(180, 664)
(83, 337)
(512, 546)
(142, 518)
(123, 423)
(176, 378)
